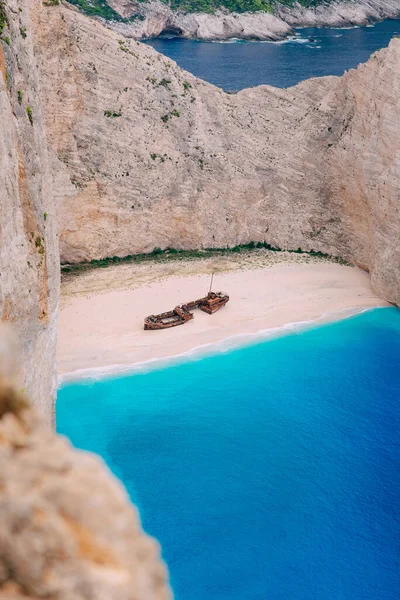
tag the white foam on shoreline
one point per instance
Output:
(232, 342)
(296, 38)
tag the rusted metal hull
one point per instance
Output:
(181, 314)
(211, 306)
(173, 318)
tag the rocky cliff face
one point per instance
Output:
(140, 154)
(29, 271)
(156, 18)
(67, 530)
(149, 156)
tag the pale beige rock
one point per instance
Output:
(338, 13)
(159, 18)
(156, 17)
(67, 530)
(185, 165)
(29, 258)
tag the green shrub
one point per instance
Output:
(112, 113)
(30, 115)
(124, 48)
(3, 17)
(100, 8)
(39, 244)
(174, 254)
(19, 95)
(23, 32)
(173, 113)
(239, 6)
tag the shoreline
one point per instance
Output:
(101, 317)
(156, 18)
(231, 343)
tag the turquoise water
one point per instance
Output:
(311, 53)
(267, 473)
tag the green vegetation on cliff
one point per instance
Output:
(171, 254)
(3, 17)
(100, 8)
(210, 6)
(238, 6)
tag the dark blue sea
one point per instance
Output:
(234, 65)
(270, 472)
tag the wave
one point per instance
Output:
(351, 27)
(293, 39)
(227, 344)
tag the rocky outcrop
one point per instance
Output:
(149, 156)
(67, 529)
(156, 17)
(140, 154)
(29, 258)
(339, 13)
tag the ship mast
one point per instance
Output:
(212, 277)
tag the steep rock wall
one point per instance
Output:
(149, 156)
(157, 17)
(29, 258)
(67, 529)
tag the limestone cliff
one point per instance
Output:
(156, 17)
(140, 154)
(149, 156)
(67, 530)
(29, 258)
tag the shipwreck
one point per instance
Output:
(183, 313)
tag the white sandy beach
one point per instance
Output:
(102, 312)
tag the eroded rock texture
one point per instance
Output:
(29, 258)
(67, 529)
(157, 17)
(149, 156)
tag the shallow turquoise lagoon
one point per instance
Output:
(271, 472)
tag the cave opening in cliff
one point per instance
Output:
(171, 32)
